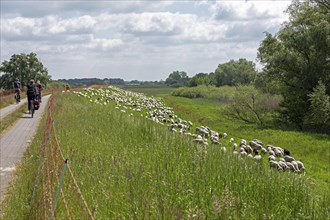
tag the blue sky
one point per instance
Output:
(143, 40)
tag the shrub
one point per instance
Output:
(250, 105)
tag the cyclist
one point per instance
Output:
(31, 93)
(17, 88)
(39, 88)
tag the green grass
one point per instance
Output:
(312, 149)
(132, 168)
(11, 118)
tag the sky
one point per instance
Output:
(137, 40)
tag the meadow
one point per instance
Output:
(133, 168)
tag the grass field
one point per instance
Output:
(131, 167)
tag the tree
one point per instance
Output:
(24, 67)
(235, 72)
(298, 56)
(177, 79)
(319, 109)
(200, 79)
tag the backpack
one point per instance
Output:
(17, 84)
(30, 89)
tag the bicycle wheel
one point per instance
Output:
(32, 108)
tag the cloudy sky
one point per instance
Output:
(143, 40)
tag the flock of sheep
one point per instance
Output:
(153, 109)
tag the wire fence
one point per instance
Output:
(56, 193)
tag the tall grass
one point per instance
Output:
(132, 168)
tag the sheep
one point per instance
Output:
(288, 158)
(200, 140)
(271, 157)
(295, 164)
(234, 150)
(287, 152)
(291, 167)
(274, 164)
(257, 157)
(243, 154)
(263, 150)
(231, 140)
(224, 149)
(271, 152)
(300, 165)
(283, 165)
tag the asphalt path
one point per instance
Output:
(15, 140)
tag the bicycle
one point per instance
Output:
(32, 107)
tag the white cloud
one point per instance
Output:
(136, 39)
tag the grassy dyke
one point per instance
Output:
(312, 149)
(130, 167)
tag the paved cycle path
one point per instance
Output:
(14, 142)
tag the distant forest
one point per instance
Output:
(105, 81)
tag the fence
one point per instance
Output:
(56, 193)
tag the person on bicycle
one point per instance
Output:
(39, 88)
(31, 93)
(17, 88)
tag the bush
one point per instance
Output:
(222, 94)
(250, 105)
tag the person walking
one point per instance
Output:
(39, 88)
(31, 93)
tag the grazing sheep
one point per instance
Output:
(200, 140)
(271, 157)
(292, 167)
(243, 142)
(300, 165)
(295, 164)
(287, 152)
(283, 165)
(288, 158)
(243, 153)
(234, 150)
(263, 150)
(271, 152)
(231, 140)
(257, 157)
(274, 164)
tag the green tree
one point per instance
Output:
(177, 79)
(235, 72)
(319, 109)
(298, 56)
(200, 79)
(24, 67)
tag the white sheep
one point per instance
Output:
(287, 158)
(300, 165)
